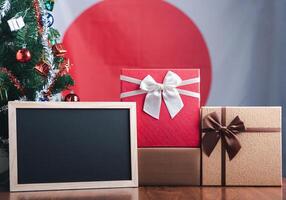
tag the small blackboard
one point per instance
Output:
(60, 145)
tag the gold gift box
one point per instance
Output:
(259, 159)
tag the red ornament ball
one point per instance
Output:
(23, 55)
(72, 97)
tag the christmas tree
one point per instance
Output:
(33, 64)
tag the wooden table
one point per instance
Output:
(156, 193)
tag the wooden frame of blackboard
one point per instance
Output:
(13, 159)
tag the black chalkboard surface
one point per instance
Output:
(57, 145)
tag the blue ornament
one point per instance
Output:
(49, 20)
(44, 98)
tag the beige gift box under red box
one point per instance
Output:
(169, 166)
(258, 162)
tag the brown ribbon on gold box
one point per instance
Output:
(216, 129)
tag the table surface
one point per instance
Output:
(156, 193)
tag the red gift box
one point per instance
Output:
(174, 122)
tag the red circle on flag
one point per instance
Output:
(117, 34)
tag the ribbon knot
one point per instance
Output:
(214, 131)
(161, 86)
(222, 129)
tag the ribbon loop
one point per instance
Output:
(214, 131)
(148, 84)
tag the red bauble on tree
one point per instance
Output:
(23, 55)
(72, 97)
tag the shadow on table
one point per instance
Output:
(155, 193)
(96, 194)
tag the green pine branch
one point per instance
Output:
(27, 37)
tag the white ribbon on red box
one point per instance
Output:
(168, 89)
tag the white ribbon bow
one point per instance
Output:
(168, 89)
(155, 90)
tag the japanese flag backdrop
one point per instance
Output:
(240, 46)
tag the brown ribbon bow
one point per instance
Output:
(215, 130)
